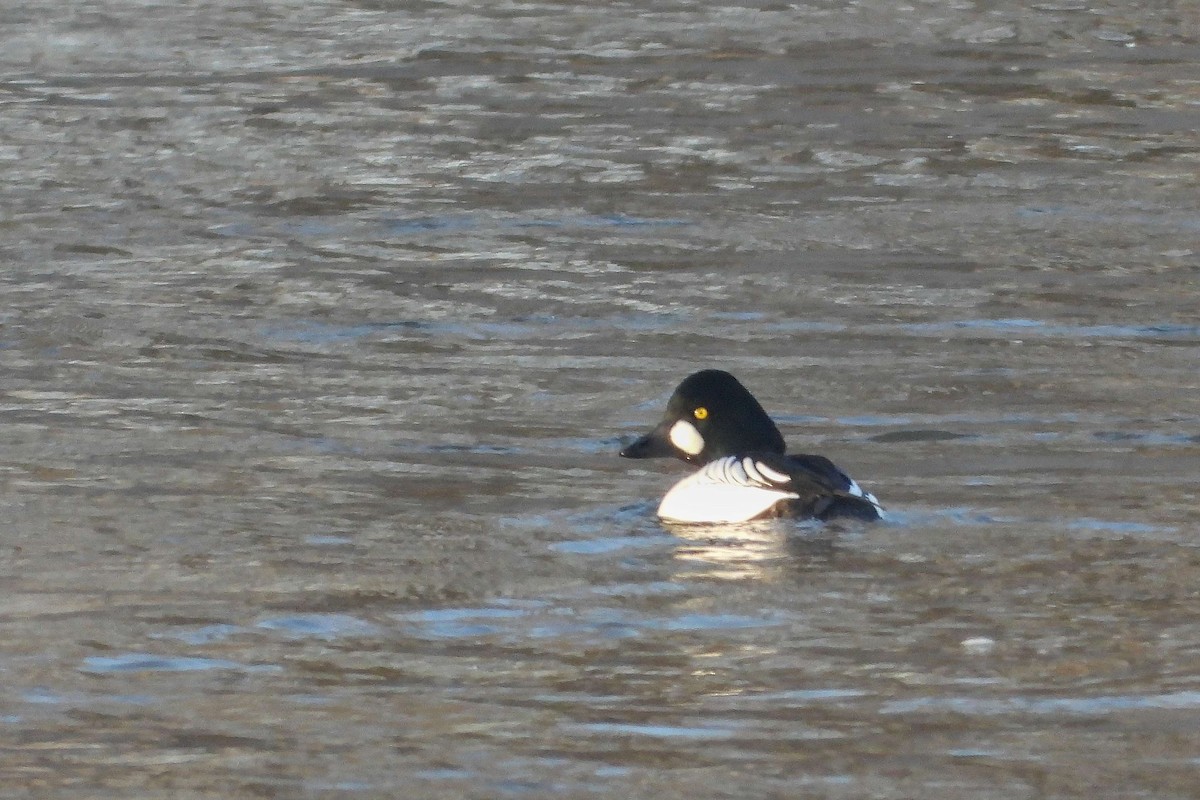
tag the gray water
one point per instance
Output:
(322, 323)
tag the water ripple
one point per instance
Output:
(1083, 706)
(319, 626)
(148, 662)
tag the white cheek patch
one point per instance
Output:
(685, 436)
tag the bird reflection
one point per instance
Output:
(757, 550)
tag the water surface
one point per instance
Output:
(322, 325)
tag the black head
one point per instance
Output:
(710, 415)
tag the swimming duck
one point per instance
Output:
(744, 473)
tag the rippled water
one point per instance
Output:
(323, 323)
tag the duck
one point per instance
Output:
(744, 471)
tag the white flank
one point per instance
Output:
(718, 493)
(685, 436)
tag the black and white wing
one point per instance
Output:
(834, 493)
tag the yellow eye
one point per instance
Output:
(700, 413)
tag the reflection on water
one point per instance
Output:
(323, 323)
(759, 550)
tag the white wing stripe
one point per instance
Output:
(772, 475)
(743, 472)
(747, 465)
